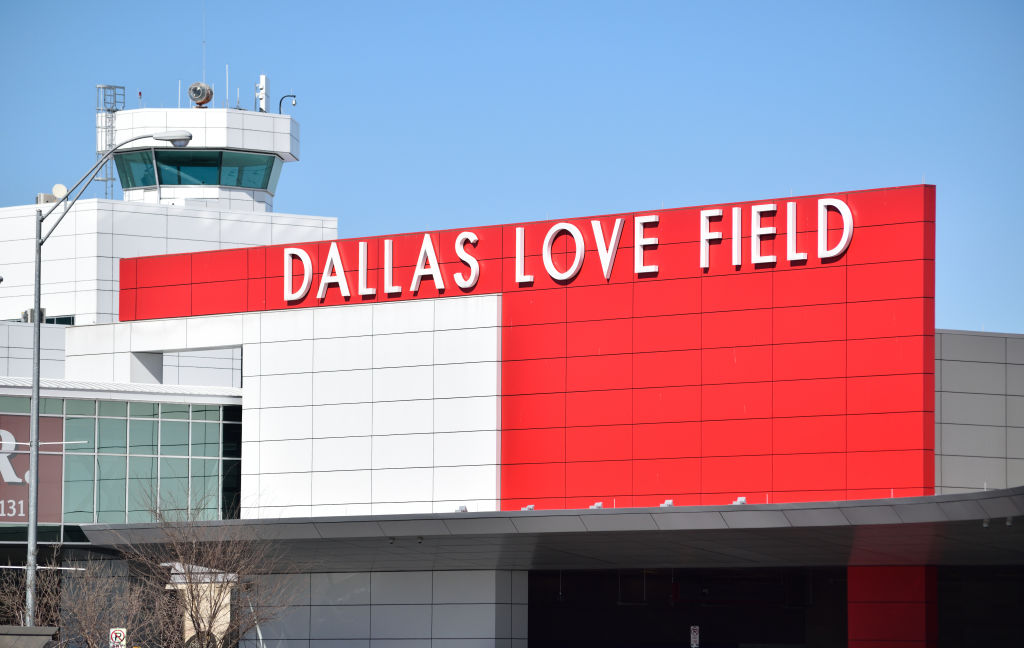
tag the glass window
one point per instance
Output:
(205, 439)
(206, 412)
(135, 169)
(205, 484)
(111, 473)
(54, 406)
(81, 407)
(231, 490)
(173, 485)
(232, 435)
(174, 438)
(142, 437)
(275, 175)
(233, 413)
(174, 411)
(15, 404)
(188, 167)
(74, 534)
(142, 410)
(113, 408)
(113, 436)
(248, 170)
(78, 485)
(77, 431)
(141, 489)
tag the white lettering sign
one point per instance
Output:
(307, 273)
(7, 448)
(644, 227)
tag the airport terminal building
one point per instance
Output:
(731, 424)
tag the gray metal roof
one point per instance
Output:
(964, 529)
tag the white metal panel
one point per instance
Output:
(466, 448)
(343, 321)
(213, 331)
(291, 456)
(284, 490)
(462, 414)
(286, 325)
(278, 423)
(403, 349)
(470, 482)
(339, 354)
(402, 485)
(467, 379)
(354, 419)
(286, 390)
(341, 487)
(403, 451)
(344, 453)
(159, 335)
(404, 317)
(330, 387)
(403, 383)
(286, 357)
(467, 345)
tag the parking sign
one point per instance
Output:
(118, 637)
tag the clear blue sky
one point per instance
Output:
(419, 115)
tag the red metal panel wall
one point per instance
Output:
(892, 606)
(783, 382)
(789, 382)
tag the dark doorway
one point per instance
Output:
(656, 607)
(981, 606)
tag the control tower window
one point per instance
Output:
(188, 167)
(198, 167)
(246, 170)
(135, 169)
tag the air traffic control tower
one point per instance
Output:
(233, 161)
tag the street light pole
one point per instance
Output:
(33, 438)
(176, 138)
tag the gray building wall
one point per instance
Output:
(16, 350)
(979, 411)
(414, 609)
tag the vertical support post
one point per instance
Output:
(33, 460)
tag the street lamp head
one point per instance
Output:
(177, 138)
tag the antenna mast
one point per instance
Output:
(204, 41)
(109, 99)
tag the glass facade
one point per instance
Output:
(197, 167)
(123, 459)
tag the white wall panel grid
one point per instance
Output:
(96, 233)
(351, 403)
(395, 429)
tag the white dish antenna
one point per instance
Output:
(59, 191)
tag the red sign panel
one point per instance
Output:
(777, 350)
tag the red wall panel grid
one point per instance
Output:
(783, 381)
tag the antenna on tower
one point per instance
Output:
(204, 41)
(109, 99)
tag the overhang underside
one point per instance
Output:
(964, 529)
